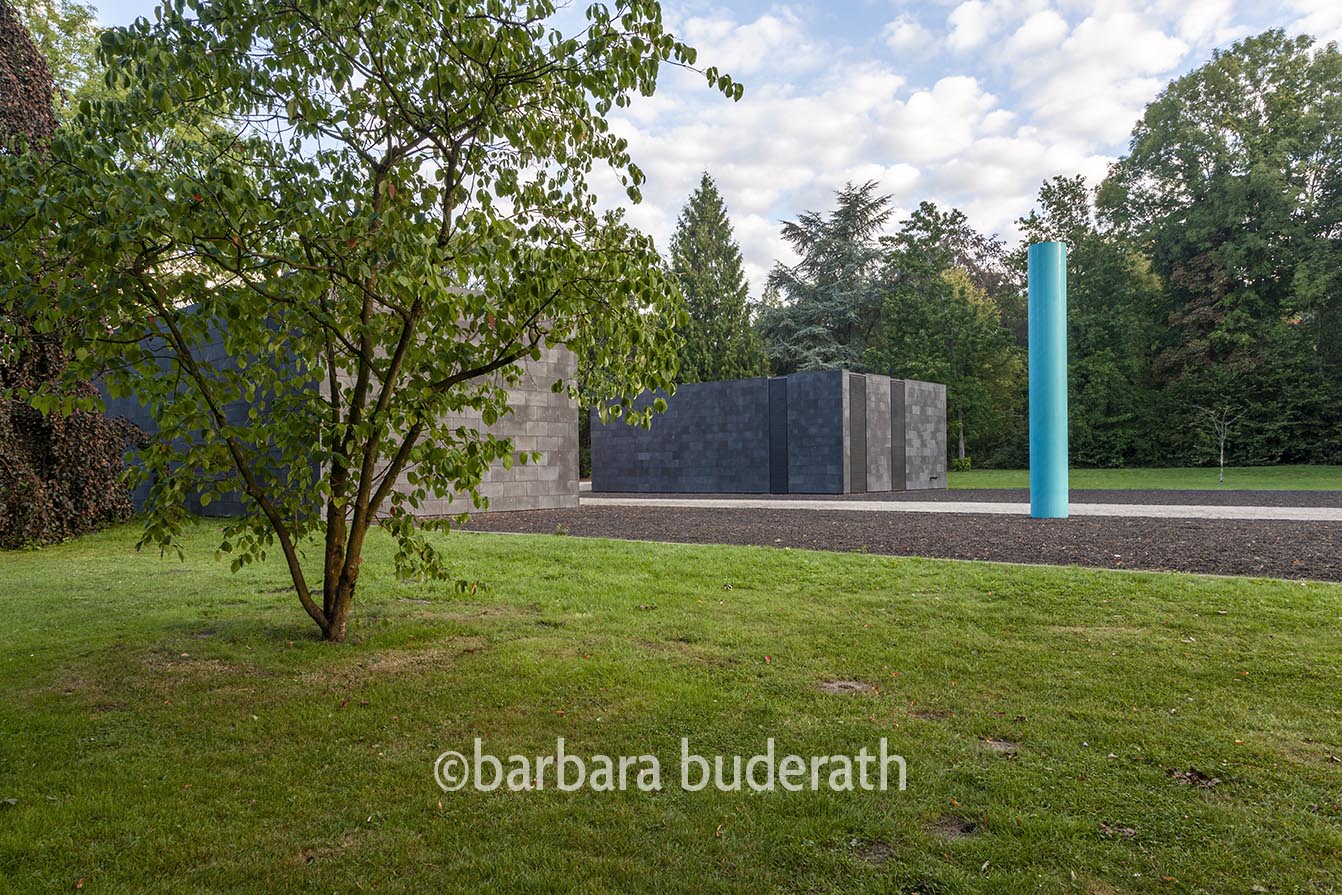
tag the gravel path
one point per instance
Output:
(1311, 550)
(1022, 495)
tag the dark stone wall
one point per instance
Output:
(830, 432)
(539, 420)
(713, 437)
(817, 426)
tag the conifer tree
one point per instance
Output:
(720, 342)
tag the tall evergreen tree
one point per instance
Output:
(822, 312)
(719, 341)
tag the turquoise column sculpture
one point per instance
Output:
(1047, 311)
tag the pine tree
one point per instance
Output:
(822, 312)
(720, 342)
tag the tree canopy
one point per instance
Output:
(821, 312)
(380, 210)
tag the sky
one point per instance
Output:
(967, 103)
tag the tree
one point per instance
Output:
(380, 210)
(59, 475)
(719, 341)
(1111, 291)
(939, 323)
(1230, 187)
(66, 31)
(822, 312)
(1219, 421)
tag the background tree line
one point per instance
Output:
(1205, 282)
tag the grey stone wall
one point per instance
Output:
(713, 437)
(925, 435)
(879, 456)
(830, 432)
(540, 420)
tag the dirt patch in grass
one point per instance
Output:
(949, 826)
(414, 661)
(685, 649)
(1193, 777)
(873, 853)
(314, 853)
(1001, 747)
(845, 687)
(931, 714)
(120, 675)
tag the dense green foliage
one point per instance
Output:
(60, 475)
(944, 299)
(1205, 282)
(385, 210)
(822, 312)
(718, 339)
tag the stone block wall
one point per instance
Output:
(817, 432)
(713, 437)
(829, 432)
(540, 420)
(925, 435)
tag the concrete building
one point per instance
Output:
(830, 432)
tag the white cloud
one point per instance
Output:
(1321, 18)
(1041, 32)
(970, 23)
(777, 38)
(1092, 84)
(906, 35)
(1032, 89)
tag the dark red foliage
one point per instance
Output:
(59, 475)
(27, 95)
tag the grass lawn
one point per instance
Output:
(1252, 478)
(168, 727)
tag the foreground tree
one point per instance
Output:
(719, 341)
(378, 210)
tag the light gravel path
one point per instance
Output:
(1150, 511)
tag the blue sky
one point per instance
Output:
(971, 103)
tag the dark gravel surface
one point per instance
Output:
(1022, 495)
(1311, 550)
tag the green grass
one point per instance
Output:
(1251, 478)
(168, 727)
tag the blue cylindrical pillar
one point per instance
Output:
(1048, 380)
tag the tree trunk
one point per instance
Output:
(960, 424)
(1223, 460)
